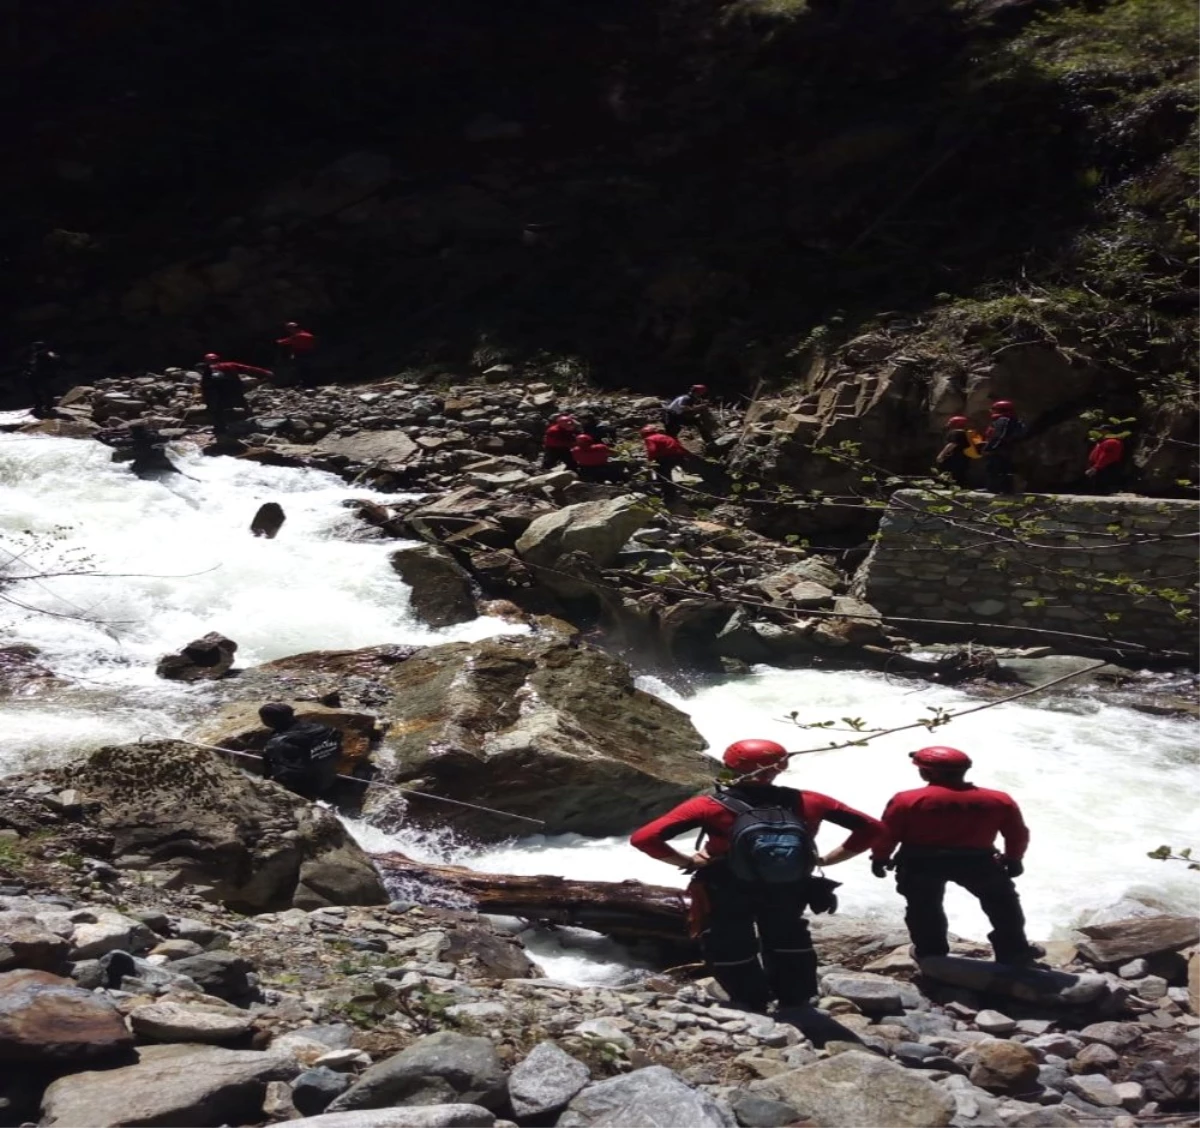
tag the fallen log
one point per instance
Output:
(625, 910)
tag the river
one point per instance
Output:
(1100, 784)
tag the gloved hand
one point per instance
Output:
(880, 868)
(1014, 867)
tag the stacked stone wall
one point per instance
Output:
(1099, 572)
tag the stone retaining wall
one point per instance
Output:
(1054, 563)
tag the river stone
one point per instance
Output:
(440, 591)
(995, 1023)
(438, 1068)
(435, 1116)
(1117, 941)
(871, 995)
(1118, 1035)
(313, 1090)
(110, 932)
(198, 1086)
(175, 1022)
(545, 1081)
(1027, 984)
(46, 1019)
(859, 1090)
(219, 973)
(598, 529)
(26, 943)
(1096, 1058)
(1004, 1067)
(382, 448)
(753, 1110)
(650, 1096)
(1096, 1088)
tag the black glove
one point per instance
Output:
(1014, 867)
(880, 868)
(821, 897)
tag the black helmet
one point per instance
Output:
(276, 714)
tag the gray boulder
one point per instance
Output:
(219, 973)
(545, 1081)
(200, 1086)
(1028, 984)
(1117, 941)
(375, 448)
(314, 1089)
(596, 529)
(26, 943)
(871, 994)
(440, 1068)
(859, 1090)
(650, 1096)
(434, 1116)
(440, 591)
(177, 1022)
(204, 659)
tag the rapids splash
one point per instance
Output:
(1100, 785)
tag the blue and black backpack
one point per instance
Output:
(768, 843)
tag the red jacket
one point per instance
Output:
(235, 366)
(594, 454)
(1107, 452)
(664, 448)
(946, 816)
(717, 821)
(301, 341)
(559, 436)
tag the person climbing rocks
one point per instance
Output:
(665, 453)
(961, 447)
(753, 878)
(590, 424)
(301, 755)
(592, 461)
(143, 447)
(1105, 467)
(690, 410)
(41, 370)
(557, 442)
(946, 831)
(299, 345)
(1005, 431)
(221, 388)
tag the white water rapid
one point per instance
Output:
(1100, 785)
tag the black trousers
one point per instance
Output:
(43, 397)
(663, 469)
(611, 472)
(1106, 480)
(958, 466)
(998, 471)
(757, 942)
(557, 456)
(921, 881)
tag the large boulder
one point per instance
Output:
(537, 726)
(545, 1081)
(376, 448)
(26, 943)
(170, 806)
(204, 659)
(653, 1095)
(47, 1020)
(1121, 940)
(199, 1086)
(440, 594)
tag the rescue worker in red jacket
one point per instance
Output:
(729, 902)
(221, 389)
(665, 452)
(558, 441)
(1104, 463)
(946, 831)
(299, 345)
(593, 461)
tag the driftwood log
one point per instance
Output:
(625, 910)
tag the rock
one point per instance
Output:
(205, 659)
(440, 594)
(1120, 940)
(859, 1090)
(490, 954)
(438, 1068)
(209, 824)
(650, 1096)
(436, 1116)
(1096, 1088)
(855, 623)
(177, 1022)
(1096, 1058)
(218, 973)
(597, 529)
(752, 1110)
(545, 1081)
(45, 1019)
(871, 995)
(25, 943)
(314, 1089)
(538, 726)
(995, 1023)
(1028, 984)
(1004, 1067)
(109, 932)
(199, 1086)
(176, 949)
(605, 1030)
(388, 449)
(1118, 1035)
(1131, 1095)
(268, 520)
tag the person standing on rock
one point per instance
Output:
(301, 755)
(946, 831)
(592, 461)
(221, 388)
(558, 441)
(961, 447)
(299, 345)
(1104, 470)
(690, 410)
(41, 370)
(753, 877)
(1005, 432)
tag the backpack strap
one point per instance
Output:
(732, 803)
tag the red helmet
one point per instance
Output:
(291, 326)
(699, 389)
(1003, 407)
(957, 421)
(212, 357)
(942, 758)
(584, 440)
(564, 419)
(652, 429)
(747, 755)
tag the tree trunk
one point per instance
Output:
(625, 910)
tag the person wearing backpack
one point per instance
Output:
(961, 446)
(754, 874)
(301, 755)
(1005, 432)
(946, 831)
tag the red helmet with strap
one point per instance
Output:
(1003, 407)
(749, 755)
(699, 389)
(957, 421)
(651, 429)
(584, 440)
(941, 758)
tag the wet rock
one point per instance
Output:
(545, 1081)
(205, 659)
(859, 1090)
(200, 1086)
(438, 1068)
(1115, 942)
(177, 1022)
(597, 529)
(25, 943)
(314, 1089)
(21, 674)
(45, 1019)
(653, 1095)
(441, 594)
(268, 520)
(1004, 1067)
